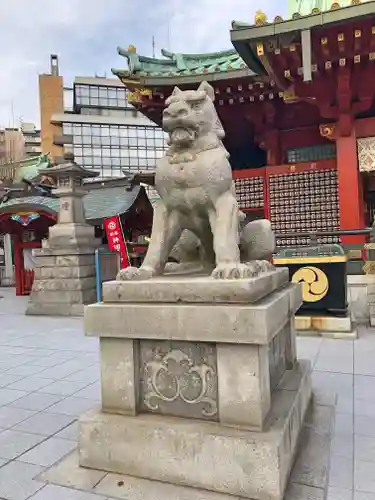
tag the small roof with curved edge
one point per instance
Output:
(69, 167)
(177, 68)
(100, 203)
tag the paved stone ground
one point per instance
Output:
(49, 375)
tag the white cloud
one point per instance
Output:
(85, 34)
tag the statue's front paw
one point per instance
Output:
(260, 266)
(135, 273)
(172, 267)
(233, 271)
(266, 266)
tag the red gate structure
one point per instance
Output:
(25, 235)
(24, 277)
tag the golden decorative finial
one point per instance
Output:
(289, 95)
(356, 2)
(315, 10)
(278, 19)
(132, 49)
(335, 6)
(260, 18)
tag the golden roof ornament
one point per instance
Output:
(278, 19)
(335, 6)
(132, 49)
(260, 18)
(289, 95)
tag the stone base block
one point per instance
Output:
(225, 323)
(219, 458)
(325, 326)
(54, 309)
(201, 289)
(64, 282)
(7, 282)
(55, 284)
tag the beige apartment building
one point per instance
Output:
(12, 145)
(19, 143)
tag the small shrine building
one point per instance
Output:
(296, 99)
(28, 208)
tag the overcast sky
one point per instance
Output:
(85, 34)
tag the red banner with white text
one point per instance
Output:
(116, 241)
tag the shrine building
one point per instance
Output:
(296, 99)
(28, 208)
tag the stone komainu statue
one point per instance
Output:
(194, 181)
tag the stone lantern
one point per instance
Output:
(65, 266)
(71, 228)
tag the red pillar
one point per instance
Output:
(272, 145)
(350, 191)
(18, 262)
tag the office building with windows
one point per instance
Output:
(102, 128)
(31, 135)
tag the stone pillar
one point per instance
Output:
(200, 383)
(65, 266)
(8, 279)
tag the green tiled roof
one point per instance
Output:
(25, 169)
(99, 203)
(29, 168)
(179, 65)
(106, 202)
(51, 204)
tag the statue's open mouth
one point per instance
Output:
(182, 135)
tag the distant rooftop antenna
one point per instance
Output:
(54, 65)
(169, 31)
(153, 46)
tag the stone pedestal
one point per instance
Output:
(64, 281)
(200, 383)
(371, 297)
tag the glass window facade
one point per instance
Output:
(110, 148)
(101, 96)
(110, 112)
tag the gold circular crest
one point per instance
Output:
(314, 283)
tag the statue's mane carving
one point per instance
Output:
(193, 110)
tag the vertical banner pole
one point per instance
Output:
(127, 263)
(98, 276)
